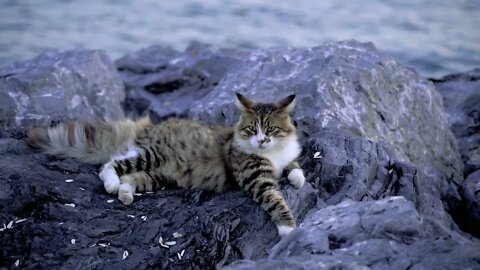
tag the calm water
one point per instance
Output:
(435, 37)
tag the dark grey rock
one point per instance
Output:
(348, 88)
(378, 182)
(461, 97)
(57, 86)
(382, 234)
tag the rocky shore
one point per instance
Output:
(392, 162)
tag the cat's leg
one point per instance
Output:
(109, 174)
(256, 177)
(295, 174)
(127, 187)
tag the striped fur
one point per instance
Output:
(139, 156)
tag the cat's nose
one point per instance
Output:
(264, 140)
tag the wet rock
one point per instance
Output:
(57, 86)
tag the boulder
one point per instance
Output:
(461, 97)
(348, 88)
(378, 183)
(57, 86)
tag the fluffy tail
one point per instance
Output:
(92, 143)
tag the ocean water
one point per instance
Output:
(435, 37)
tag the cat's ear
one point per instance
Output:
(285, 105)
(243, 103)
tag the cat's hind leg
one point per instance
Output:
(127, 187)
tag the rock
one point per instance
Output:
(382, 234)
(377, 182)
(348, 88)
(57, 86)
(163, 82)
(462, 98)
(216, 229)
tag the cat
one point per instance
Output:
(140, 156)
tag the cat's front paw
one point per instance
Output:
(111, 182)
(284, 230)
(296, 178)
(125, 193)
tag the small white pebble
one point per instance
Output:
(137, 194)
(179, 256)
(110, 201)
(390, 171)
(69, 180)
(131, 216)
(104, 245)
(183, 252)
(163, 188)
(20, 220)
(171, 243)
(70, 204)
(93, 245)
(10, 225)
(317, 155)
(82, 188)
(73, 241)
(17, 263)
(144, 218)
(125, 255)
(60, 223)
(176, 235)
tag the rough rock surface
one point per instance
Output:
(347, 87)
(461, 97)
(378, 182)
(59, 85)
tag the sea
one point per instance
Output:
(435, 37)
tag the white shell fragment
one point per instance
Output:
(110, 201)
(10, 225)
(21, 220)
(137, 194)
(17, 263)
(131, 216)
(144, 218)
(317, 155)
(180, 254)
(160, 241)
(70, 204)
(69, 180)
(82, 188)
(125, 255)
(73, 241)
(171, 243)
(177, 235)
(104, 245)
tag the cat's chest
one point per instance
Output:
(281, 157)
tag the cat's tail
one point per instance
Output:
(92, 143)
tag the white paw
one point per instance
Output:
(296, 178)
(125, 194)
(111, 182)
(284, 230)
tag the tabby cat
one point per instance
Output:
(140, 156)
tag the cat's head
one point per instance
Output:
(264, 126)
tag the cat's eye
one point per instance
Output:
(252, 128)
(271, 129)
